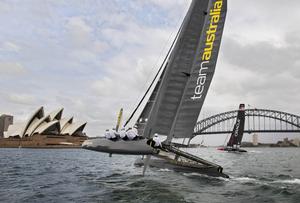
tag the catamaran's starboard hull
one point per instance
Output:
(134, 147)
(174, 166)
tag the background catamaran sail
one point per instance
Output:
(238, 129)
(186, 79)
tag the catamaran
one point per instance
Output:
(234, 143)
(175, 102)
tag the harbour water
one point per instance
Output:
(76, 175)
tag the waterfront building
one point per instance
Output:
(296, 142)
(46, 124)
(5, 121)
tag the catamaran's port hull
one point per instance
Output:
(134, 147)
(178, 167)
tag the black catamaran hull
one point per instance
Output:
(140, 147)
(134, 147)
(163, 163)
(231, 150)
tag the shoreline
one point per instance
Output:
(42, 147)
(44, 141)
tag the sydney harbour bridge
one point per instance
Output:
(256, 121)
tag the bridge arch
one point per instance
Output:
(292, 122)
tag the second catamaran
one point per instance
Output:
(176, 100)
(234, 143)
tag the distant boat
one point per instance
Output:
(234, 143)
(177, 98)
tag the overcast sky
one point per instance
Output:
(94, 57)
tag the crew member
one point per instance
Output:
(135, 130)
(107, 134)
(157, 142)
(131, 134)
(123, 135)
(113, 135)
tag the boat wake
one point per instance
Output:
(293, 181)
(255, 151)
(264, 182)
(164, 170)
(245, 179)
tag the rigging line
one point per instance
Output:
(160, 54)
(162, 65)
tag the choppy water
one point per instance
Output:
(75, 175)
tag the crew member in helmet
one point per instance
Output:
(107, 134)
(123, 135)
(113, 134)
(155, 141)
(135, 130)
(131, 134)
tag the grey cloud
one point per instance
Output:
(21, 98)
(9, 47)
(79, 31)
(11, 68)
(262, 57)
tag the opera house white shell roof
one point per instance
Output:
(51, 124)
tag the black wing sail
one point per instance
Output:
(177, 71)
(202, 70)
(238, 129)
(189, 72)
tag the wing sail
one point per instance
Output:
(177, 72)
(238, 129)
(184, 85)
(202, 71)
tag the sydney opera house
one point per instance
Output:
(45, 129)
